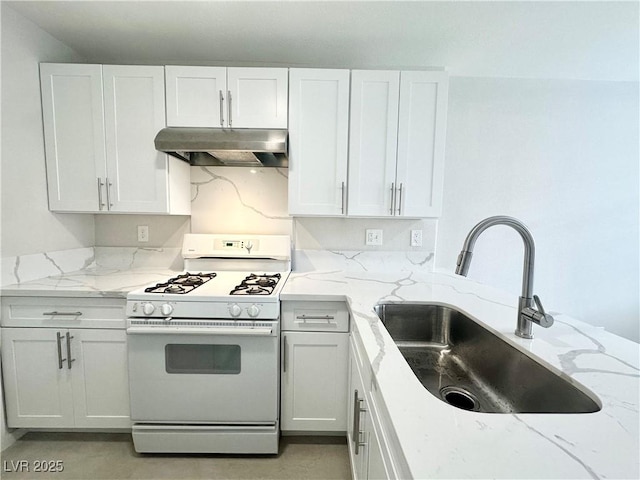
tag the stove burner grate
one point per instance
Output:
(257, 284)
(181, 284)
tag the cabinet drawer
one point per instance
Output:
(63, 312)
(315, 316)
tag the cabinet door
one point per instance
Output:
(37, 384)
(74, 135)
(357, 418)
(196, 96)
(373, 142)
(376, 469)
(134, 113)
(100, 378)
(318, 141)
(421, 139)
(257, 97)
(314, 381)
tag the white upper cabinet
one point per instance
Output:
(318, 141)
(99, 125)
(396, 147)
(226, 97)
(373, 142)
(73, 117)
(421, 140)
(196, 96)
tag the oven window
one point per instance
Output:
(204, 359)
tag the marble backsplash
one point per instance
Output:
(236, 200)
(25, 268)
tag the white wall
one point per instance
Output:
(562, 156)
(26, 224)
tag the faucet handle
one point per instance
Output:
(540, 317)
(536, 299)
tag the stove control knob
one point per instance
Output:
(235, 310)
(166, 309)
(253, 310)
(148, 308)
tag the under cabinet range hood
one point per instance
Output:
(220, 147)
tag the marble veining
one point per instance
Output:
(568, 360)
(436, 439)
(24, 268)
(216, 177)
(362, 261)
(598, 445)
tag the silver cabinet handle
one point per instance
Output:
(229, 107)
(393, 196)
(221, 109)
(108, 183)
(60, 359)
(355, 434)
(400, 199)
(315, 317)
(69, 359)
(343, 198)
(356, 422)
(101, 204)
(284, 355)
(65, 314)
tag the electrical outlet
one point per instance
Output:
(373, 237)
(416, 238)
(143, 233)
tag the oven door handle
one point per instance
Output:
(258, 331)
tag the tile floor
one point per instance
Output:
(111, 456)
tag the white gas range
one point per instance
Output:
(204, 348)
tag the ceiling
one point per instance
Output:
(528, 39)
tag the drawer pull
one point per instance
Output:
(315, 317)
(62, 314)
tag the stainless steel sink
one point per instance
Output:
(468, 366)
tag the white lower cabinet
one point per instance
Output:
(61, 377)
(369, 450)
(315, 346)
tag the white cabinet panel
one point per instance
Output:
(222, 97)
(421, 130)
(396, 147)
(44, 390)
(318, 141)
(99, 124)
(314, 367)
(74, 134)
(37, 386)
(258, 97)
(134, 113)
(314, 378)
(373, 141)
(369, 451)
(101, 382)
(196, 96)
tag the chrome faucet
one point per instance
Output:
(527, 314)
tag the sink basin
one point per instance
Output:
(468, 366)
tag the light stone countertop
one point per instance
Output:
(441, 441)
(89, 282)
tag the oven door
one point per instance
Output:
(203, 375)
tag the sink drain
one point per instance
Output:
(459, 397)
